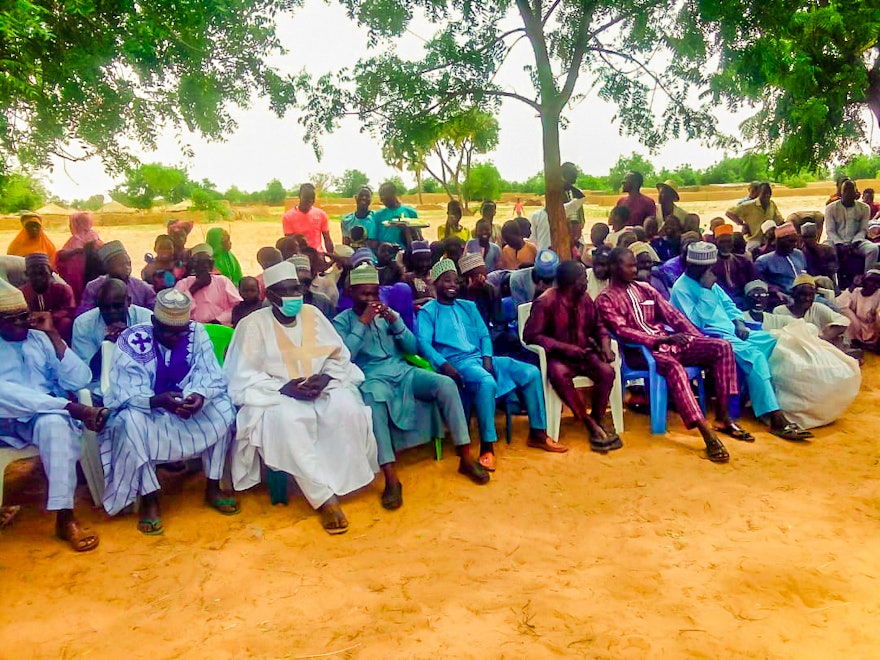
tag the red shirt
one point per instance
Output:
(639, 208)
(311, 224)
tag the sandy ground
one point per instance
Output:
(651, 551)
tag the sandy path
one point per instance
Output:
(651, 551)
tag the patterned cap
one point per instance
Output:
(36, 259)
(172, 307)
(755, 284)
(640, 247)
(702, 253)
(470, 261)
(809, 229)
(442, 266)
(546, 264)
(11, 299)
(418, 247)
(280, 272)
(785, 229)
(804, 278)
(202, 248)
(366, 273)
(302, 263)
(109, 250)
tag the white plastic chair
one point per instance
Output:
(10, 455)
(552, 401)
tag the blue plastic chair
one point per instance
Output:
(658, 395)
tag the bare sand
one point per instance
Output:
(651, 551)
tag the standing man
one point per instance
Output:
(667, 196)
(213, 296)
(308, 220)
(753, 214)
(362, 216)
(454, 339)
(117, 264)
(43, 294)
(846, 225)
(299, 405)
(170, 404)
(640, 206)
(35, 365)
(114, 314)
(392, 211)
(637, 314)
(400, 396)
(564, 321)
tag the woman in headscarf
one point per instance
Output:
(31, 238)
(82, 232)
(224, 261)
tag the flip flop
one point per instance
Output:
(487, 460)
(80, 539)
(332, 525)
(150, 526)
(225, 505)
(717, 452)
(394, 499)
(736, 432)
(791, 432)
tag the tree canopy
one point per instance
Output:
(81, 77)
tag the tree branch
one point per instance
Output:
(549, 12)
(535, 32)
(629, 58)
(577, 58)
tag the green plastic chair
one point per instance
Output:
(422, 363)
(220, 337)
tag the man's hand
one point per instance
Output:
(487, 364)
(190, 406)
(296, 390)
(448, 370)
(370, 313)
(42, 321)
(169, 401)
(677, 339)
(741, 330)
(387, 313)
(607, 354)
(317, 383)
(113, 331)
(573, 352)
(202, 279)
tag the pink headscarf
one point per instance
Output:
(82, 232)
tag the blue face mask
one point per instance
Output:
(291, 305)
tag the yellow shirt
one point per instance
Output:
(753, 215)
(443, 232)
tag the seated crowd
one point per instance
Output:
(335, 358)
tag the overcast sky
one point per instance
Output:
(320, 38)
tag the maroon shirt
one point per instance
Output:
(557, 321)
(639, 208)
(58, 299)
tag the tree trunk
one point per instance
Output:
(419, 183)
(553, 200)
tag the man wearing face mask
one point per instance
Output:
(213, 296)
(699, 297)
(170, 404)
(300, 408)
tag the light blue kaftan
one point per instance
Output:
(139, 437)
(714, 313)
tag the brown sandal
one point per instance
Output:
(79, 538)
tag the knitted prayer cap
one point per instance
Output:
(809, 229)
(366, 273)
(702, 253)
(640, 247)
(804, 278)
(302, 263)
(172, 307)
(36, 259)
(420, 247)
(470, 261)
(785, 229)
(767, 225)
(362, 256)
(202, 248)
(442, 266)
(546, 264)
(109, 250)
(30, 216)
(723, 230)
(754, 285)
(280, 272)
(11, 299)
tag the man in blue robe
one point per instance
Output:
(36, 372)
(454, 339)
(401, 396)
(708, 307)
(170, 404)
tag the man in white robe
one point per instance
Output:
(170, 404)
(36, 371)
(301, 411)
